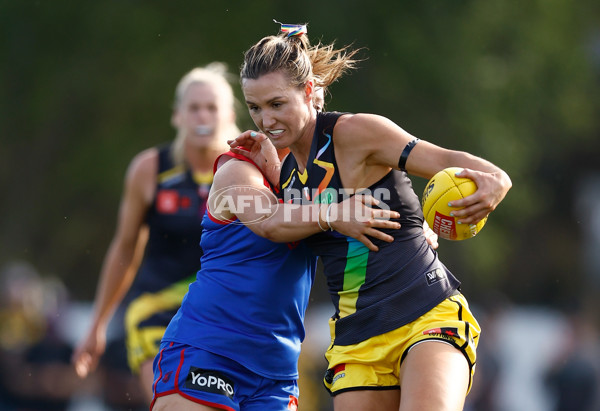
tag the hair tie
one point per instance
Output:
(292, 29)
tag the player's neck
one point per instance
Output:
(301, 149)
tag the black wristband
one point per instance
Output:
(404, 156)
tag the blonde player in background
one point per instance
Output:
(155, 250)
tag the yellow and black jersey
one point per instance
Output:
(173, 250)
(373, 292)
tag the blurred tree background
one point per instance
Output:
(88, 84)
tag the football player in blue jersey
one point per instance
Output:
(155, 251)
(235, 341)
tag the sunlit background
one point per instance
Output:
(88, 84)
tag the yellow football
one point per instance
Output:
(440, 190)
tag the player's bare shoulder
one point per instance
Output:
(236, 172)
(358, 127)
(359, 134)
(142, 173)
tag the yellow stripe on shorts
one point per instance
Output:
(143, 342)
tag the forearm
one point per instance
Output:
(467, 160)
(291, 222)
(427, 159)
(238, 192)
(116, 277)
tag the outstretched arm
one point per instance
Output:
(375, 141)
(238, 192)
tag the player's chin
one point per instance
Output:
(279, 143)
(201, 141)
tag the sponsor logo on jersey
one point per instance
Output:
(209, 381)
(435, 276)
(167, 201)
